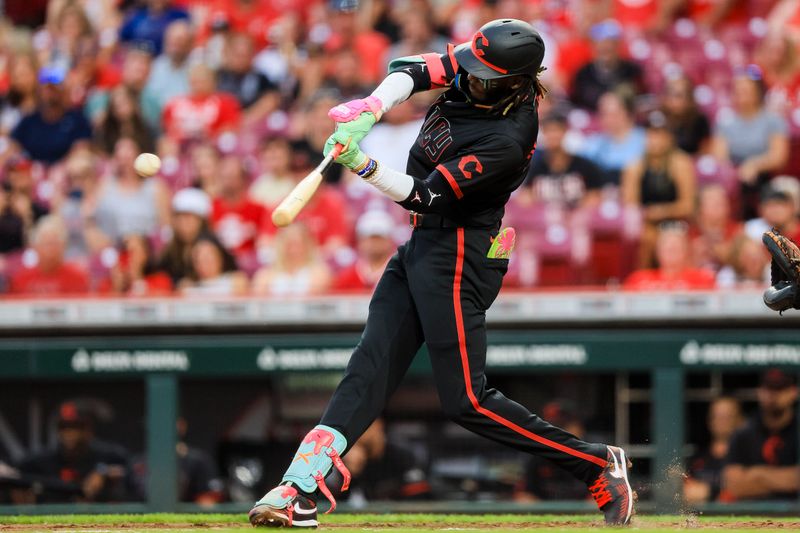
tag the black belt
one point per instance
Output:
(418, 220)
(429, 220)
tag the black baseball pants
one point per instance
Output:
(436, 290)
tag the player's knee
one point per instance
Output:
(457, 407)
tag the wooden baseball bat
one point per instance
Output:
(296, 200)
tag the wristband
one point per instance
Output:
(368, 169)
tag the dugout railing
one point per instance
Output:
(162, 341)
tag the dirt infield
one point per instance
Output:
(390, 523)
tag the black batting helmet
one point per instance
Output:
(502, 48)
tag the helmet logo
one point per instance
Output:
(479, 37)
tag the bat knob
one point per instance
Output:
(281, 219)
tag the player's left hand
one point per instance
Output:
(352, 157)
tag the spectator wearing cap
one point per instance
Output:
(558, 177)
(662, 184)
(714, 229)
(675, 271)
(50, 132)
(778, 209)
(240, 223)
(20, 97)
(47, 274)
(298, 268)
(704, 474)
(191, 209)
(375, 247)
(607, 71)
(213, 271)
(257, 96)
(169, 75)
(79, 468)
(687, 122)
(753, 139)
(762, 461)
(204, 112)
(150, 22)
(19, 209)
(128, 203)
(620, 142)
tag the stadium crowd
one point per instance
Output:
(665, 144)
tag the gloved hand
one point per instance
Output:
(357, 117)
(785, 272)
(352, 157)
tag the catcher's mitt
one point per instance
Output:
(785, 270)
(785, 257)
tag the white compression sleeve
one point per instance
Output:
(394, 89)
(392, 183)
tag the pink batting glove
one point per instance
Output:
(351, 110)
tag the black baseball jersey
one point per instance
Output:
(466, 161)
(755, 445)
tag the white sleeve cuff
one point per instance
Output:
(394, 89)
(396, 185)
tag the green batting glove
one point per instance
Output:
(352, 157)
(358, 128)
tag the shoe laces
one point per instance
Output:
(600, 492)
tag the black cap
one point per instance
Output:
(71, 415)
(776, 379)
(770, 193)
(502, 48)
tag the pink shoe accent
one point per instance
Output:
(349, 111)
(288, 492)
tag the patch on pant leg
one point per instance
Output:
(502, 244)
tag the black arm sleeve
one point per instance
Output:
(429, 71)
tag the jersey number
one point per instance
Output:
(436, 135)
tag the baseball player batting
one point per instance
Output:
(473, 151)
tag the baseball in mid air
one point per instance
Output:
(147, 165)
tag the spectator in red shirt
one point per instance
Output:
(136, 272)
(714, 229)
(204, 112)
(370, 45)
(50, 276)
(238, 221)
(675, 271)
(375, 248)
